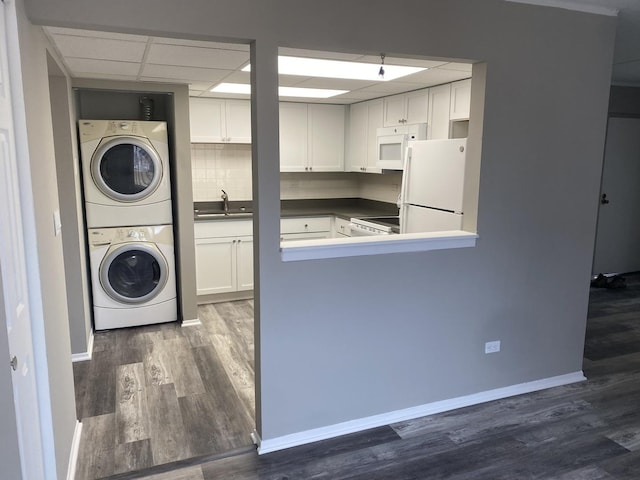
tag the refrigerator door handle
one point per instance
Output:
(403, 191)
(405, 177)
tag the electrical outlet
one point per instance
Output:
(492, 347)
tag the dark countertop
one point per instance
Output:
(341, 207)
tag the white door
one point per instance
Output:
(434, 174)
(618, 233)
(14, 278)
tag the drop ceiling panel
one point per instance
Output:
(83, 66)
(409, 62)
(163, 54)
(237, 77)
(97, 34)
(198, 43)
(296, 52)
(388, 88)
(183, 74)
(202, 65)
(100, 48)
(464, 67)
(435, 76)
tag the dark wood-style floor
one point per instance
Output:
(157, 394)
(584, 431)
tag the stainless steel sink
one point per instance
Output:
(236, 213)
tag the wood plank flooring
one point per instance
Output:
(585, 431)
(157, 394)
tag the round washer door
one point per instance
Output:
(133, 272)
(126, 169)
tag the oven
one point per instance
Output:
(368, 226)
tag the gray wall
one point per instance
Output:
(49, 312)
(347, 338)
(624, 101)
(70, 196)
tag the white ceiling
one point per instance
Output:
(89, 54)
(202, 65)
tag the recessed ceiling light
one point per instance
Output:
(316, 67)
(245, 89)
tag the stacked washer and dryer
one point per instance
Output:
(127, 193)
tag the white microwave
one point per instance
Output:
(392, 144)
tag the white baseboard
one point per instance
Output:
(81, 357)
(191, 323)
(352, 426)
(75, 448)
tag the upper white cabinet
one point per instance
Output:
(439, 104)
(406, 108)
(293, 137)
(215, 120)
(311, 137)
(460, 100)
(364, 120)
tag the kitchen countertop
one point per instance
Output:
(341, 207)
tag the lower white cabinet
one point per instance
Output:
(341, 227)
(304, 228)
(224, 257)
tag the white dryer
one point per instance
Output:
(125, 170)
(132, 276)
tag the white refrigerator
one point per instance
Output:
(432, 186)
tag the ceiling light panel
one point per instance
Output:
(317, 67)
(245, 89)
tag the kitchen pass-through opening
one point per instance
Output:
(385, 147)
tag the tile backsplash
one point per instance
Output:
(228, 166)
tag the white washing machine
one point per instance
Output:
(132, 275)
(125, 170)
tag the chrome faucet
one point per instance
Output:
(225, 201)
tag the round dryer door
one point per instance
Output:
(133, 272)
(126, 169)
